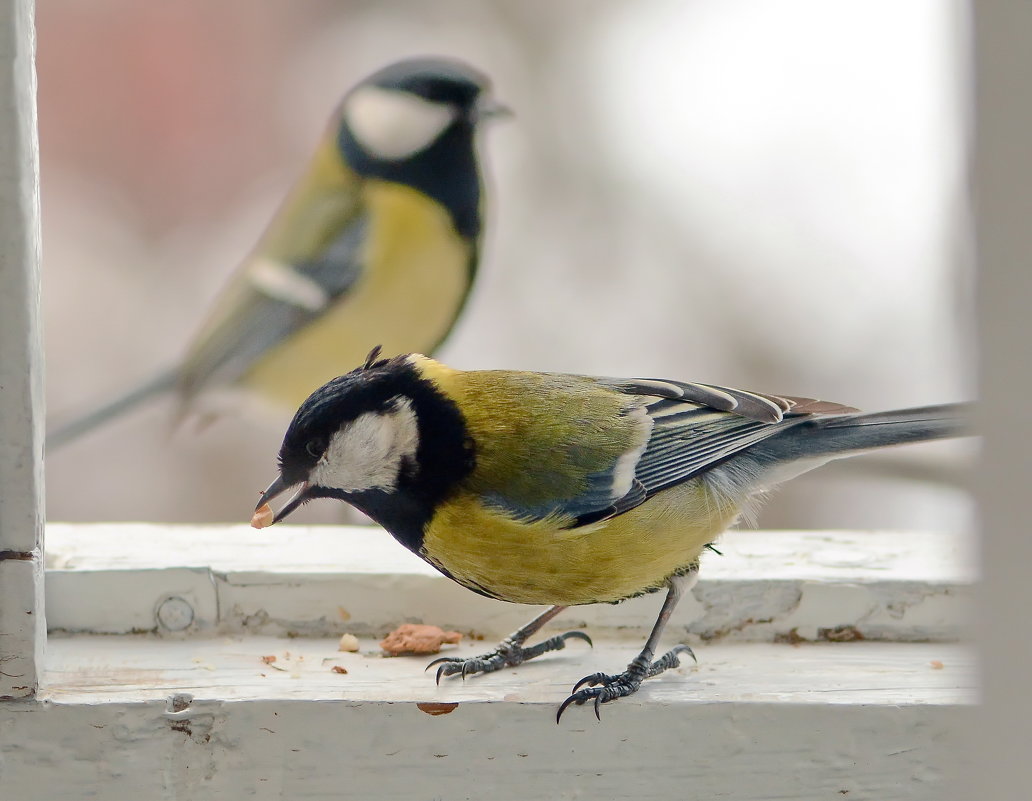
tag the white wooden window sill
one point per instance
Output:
(776, 706)
(323, 580)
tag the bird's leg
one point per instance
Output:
(605, 687)
(510, 651)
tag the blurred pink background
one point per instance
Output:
(763, 196)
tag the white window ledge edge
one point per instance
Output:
(326, 580)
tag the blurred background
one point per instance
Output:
(765, 195)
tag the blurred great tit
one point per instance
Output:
(377, 242)
(545, 488)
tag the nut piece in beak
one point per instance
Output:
(263, 516)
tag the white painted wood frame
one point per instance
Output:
(1001, 742)
(828, 666)
(22, 629)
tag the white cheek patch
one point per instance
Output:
(368, 453)
(391, 124)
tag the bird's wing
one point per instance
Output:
(587, 453)
(688, 441)
(675, 394)
(308, 259)
(691, 434)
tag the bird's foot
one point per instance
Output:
(509, 653)
(605, 687)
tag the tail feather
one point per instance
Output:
(841, 435)
(73, 429)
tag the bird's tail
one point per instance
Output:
(64, 433)
(833, 436)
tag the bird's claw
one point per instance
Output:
(605, 687)
(509, 653)
(593, 680)
(602, 688)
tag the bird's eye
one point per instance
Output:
(314, 447)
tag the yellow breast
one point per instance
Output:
(541, 563)
(407, 298)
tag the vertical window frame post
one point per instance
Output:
(22, 624)
(1000, 734)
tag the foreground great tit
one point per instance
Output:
(545, 488)
(378, 241)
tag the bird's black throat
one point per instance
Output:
(446, 171)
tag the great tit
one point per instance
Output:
(546, 488)
(378, 241)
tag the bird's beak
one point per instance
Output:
(487, 108)
(277, 488)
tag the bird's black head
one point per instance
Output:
(437, 80)
(413, 123)
(383, 438)
(370, 394)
